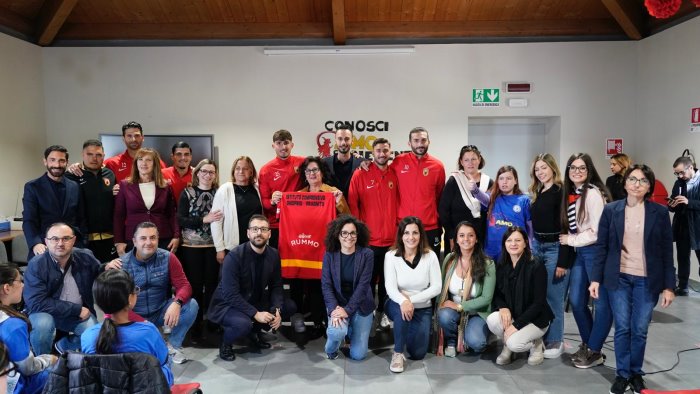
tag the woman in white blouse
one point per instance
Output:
(412, 279)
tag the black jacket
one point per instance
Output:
(78, 373)
(523, 290)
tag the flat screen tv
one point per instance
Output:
(202, 145)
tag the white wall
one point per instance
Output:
(22, 124)
(243, 96)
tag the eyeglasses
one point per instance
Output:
(259, 229)
(578, 169)
(312, 170)
(18, 280)
(207, 172)
(643, 181)
(55, 240)
(679, 173)
(137, 290)
(351, 234)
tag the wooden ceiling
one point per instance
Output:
(264, 22)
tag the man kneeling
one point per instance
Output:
(240, 303)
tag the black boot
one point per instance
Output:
(226, 352)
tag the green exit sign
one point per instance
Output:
(486, 97)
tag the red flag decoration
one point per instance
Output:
(303, 221)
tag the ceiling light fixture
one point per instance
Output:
(340, 50)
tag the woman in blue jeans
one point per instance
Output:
(585, 196)
(546, 192)
(469, 279)
(412, 279)
(634, 262)
(345, 283)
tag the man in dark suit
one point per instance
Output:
(49, 199)
(343, 164)
(250, 295)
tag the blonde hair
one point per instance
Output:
(253, 177)
(536, 186)
(622, 160)
(157, 174)
(195, 172)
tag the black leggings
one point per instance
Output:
(202, 271)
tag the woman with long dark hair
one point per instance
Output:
(115, 293)
(468, 282)
(546, 193)
(145, 197)
(29, 372)
(521, 314)
(583, 200)
(345, 282)
(634, 262)
(412, 279)
(508, 207)
(197, 254)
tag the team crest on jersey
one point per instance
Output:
(425, 172)
(296, 170)
(391, 184)
(517, 209)
(106, 181)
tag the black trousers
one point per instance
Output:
(378, 276)
(307, 295)
(202, 271)
(683, 255)
(103, 250)
(237, 325)
(434, 238)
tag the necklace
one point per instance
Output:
(241, 188)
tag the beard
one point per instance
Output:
(420, 151)
(258, 242)
(343, 149)
(56, 172)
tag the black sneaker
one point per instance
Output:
(226, 352)
(619, 386)
(298, 324)
(332, 356)
(257, 341)
(637, 384)
(591, 360)
(681, 292)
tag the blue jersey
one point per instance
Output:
(508, 211)
(14, 334)
(132, 337)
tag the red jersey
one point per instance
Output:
(278, 175)
(177, 183)
(420, 186)
(121, 165)
(374, 199)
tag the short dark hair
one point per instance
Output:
(344, 126)
(685, 160)
(143, 225)
(258, 216)
(281, 135)
(131, 125)
(416, 130)
(93, 142)
(336, 226)
(181, 145)
(59, 224)
(325, 177)
(505, 258)
(380, 140)
(648, 174)
(423, 245)
(55, 148)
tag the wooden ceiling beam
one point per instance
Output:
(192, 31)
(16, 22)
(51, 17)
(588, 27)
(339, 33)
(629, 15)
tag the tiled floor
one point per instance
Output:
(289, 369)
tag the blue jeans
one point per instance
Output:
(632, 305)
(188, 313)
(556, 288)
(593, 329)
(476, 333)
(413, 335)
(44, 332)
(358, 328)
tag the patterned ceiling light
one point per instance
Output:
(663, 9)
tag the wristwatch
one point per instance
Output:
(179, 301)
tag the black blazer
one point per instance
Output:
(334, 181)
(235, 289)
(528, 302)
(658, 246)
(41, 209)
(362, 299)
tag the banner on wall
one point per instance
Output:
(364, 133)
(695, 120)
(613, 146)
(304, 218)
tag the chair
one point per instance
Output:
(3, 254)
(20, 250)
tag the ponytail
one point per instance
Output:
(107, 337)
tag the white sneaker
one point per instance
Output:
(385, 322)
(536, 353)
(397, 362)
(554, 351)
(450, 351)
(177, 355)
(506, 356)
